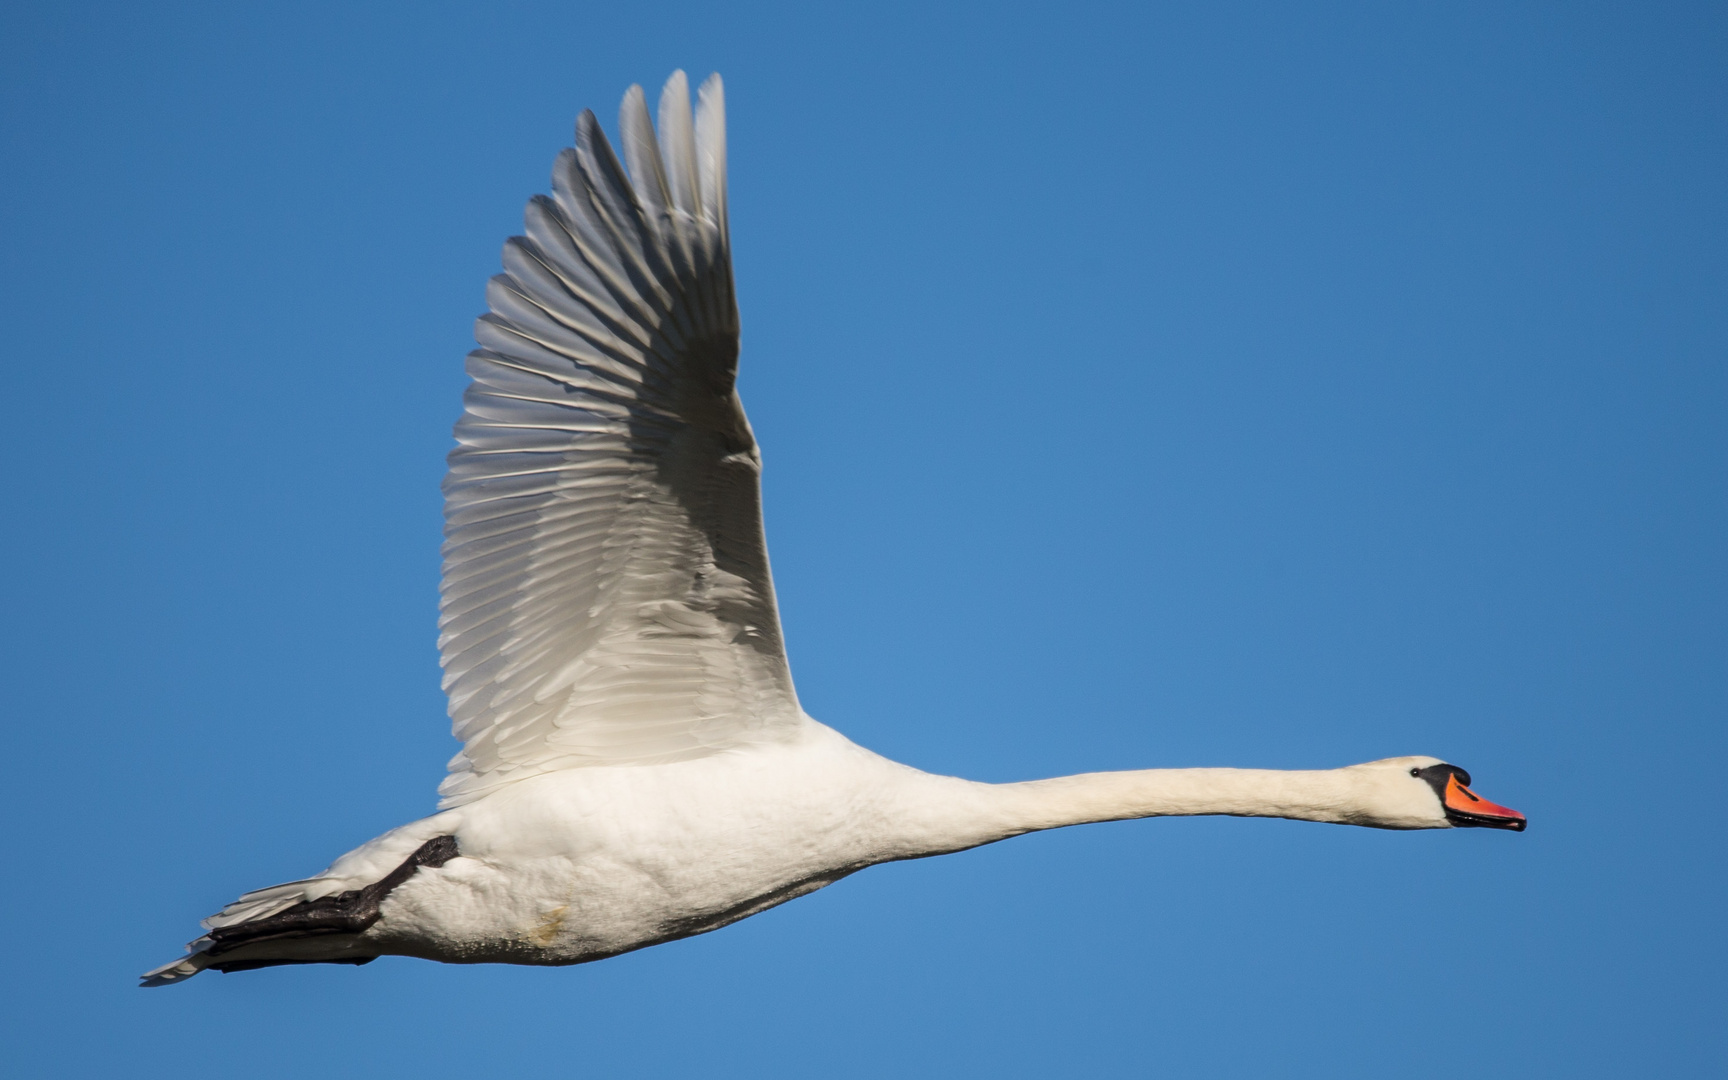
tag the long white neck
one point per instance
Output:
(1323, 795)
(961, 814)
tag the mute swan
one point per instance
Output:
(635, 766)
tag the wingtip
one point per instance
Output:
(711, 149)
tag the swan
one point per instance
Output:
(635, 765)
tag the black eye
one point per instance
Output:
(1415, 771)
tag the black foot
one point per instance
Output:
(345, 913)
(254, 965)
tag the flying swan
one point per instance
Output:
(635, 766)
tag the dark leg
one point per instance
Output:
(345, 913)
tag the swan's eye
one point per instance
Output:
(1415, 771)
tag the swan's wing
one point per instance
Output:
(606, 596)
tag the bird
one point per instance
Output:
(635, 765)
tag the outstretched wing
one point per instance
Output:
(606, 595)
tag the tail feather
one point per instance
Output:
(263, 903)
(315, 921)
(197, 958)
(257, 904)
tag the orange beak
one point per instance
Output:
(1465, 807)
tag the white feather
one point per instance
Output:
(606, 594)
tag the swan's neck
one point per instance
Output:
(1112, 796)
(981, 813)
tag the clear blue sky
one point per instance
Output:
(1280, 385)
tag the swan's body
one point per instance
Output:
(636, 766)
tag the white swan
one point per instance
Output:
(635, 765)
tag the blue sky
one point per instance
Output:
(1143, 385)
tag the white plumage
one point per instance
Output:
(606, 588)
(635, 765)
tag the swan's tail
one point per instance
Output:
(254, 907)
(197, 958)
(315, 921)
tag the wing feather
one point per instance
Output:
(606, 592)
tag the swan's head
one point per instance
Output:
(1427, 793)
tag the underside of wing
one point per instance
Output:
(606, 595)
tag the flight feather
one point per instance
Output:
(606, 596)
